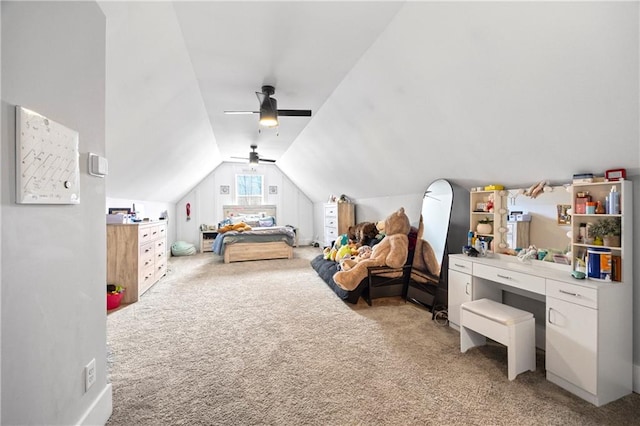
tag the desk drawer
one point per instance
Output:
(460, 265)
(584, 296)
(510, 278)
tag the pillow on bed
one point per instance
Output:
(267, 221)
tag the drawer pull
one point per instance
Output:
(145, 235)
(549, 316)
(504, 276)
(569, 293)
(466, 289)
(460, 266)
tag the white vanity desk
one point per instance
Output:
(588, 324)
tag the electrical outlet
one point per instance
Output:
(89, 374)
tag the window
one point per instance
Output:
(249, 189)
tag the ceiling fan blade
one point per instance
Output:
(242, 112)
(240, 158)
(295, 112)
(266, 160)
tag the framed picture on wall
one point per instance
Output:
(273, 190)
(224, 189)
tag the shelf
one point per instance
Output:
(595, 246)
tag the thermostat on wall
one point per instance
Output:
(98, 166)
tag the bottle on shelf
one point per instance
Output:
(614, 201)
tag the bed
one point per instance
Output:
(266, 239)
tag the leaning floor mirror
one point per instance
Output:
(431, 246)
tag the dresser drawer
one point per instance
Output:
(330, 234)
(512, 278)
(146, 248)
(331, 211)
(331, 222)
(147, 260)
(146, 276)
(160, 254)
(584, 296)
(144, 234)
(160, 271)
(160, 245)
(155, 232)
(461, 265)
(162, 230)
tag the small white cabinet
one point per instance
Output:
(459, 292)
(571, 347)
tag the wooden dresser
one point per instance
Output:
(136, 256)
(338, 217)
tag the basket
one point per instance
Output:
(113, 300)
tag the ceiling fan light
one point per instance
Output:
(268, 120)
(269, 112)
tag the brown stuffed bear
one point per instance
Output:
(392, 251)
(424, 258)
(364, 232)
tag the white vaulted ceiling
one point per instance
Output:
(402, 93)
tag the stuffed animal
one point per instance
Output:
(330, 253)
(240, 227)
(392, 251)
(364, 232)
(424, 258)
(363, 252)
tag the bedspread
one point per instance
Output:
(256, 235)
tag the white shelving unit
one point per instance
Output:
(598, 191)
(498, 216)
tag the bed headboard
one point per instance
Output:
(262, 211)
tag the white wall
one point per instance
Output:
(292, 206)
(53, 260)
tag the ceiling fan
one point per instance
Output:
(269, 111)
(254, 158)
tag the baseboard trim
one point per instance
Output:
(100, 411)
(636, 378)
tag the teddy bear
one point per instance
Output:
(392, 251)
(363, 233)
(240, 227)
(424, 257)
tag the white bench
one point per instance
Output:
(504, 324)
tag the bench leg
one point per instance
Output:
(470, 339)
(521, 351)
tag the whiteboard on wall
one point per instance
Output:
(47, 160)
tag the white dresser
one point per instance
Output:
(588, 323)
(136, 256)
(338, 217)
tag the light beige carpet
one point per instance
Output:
(268, 343)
